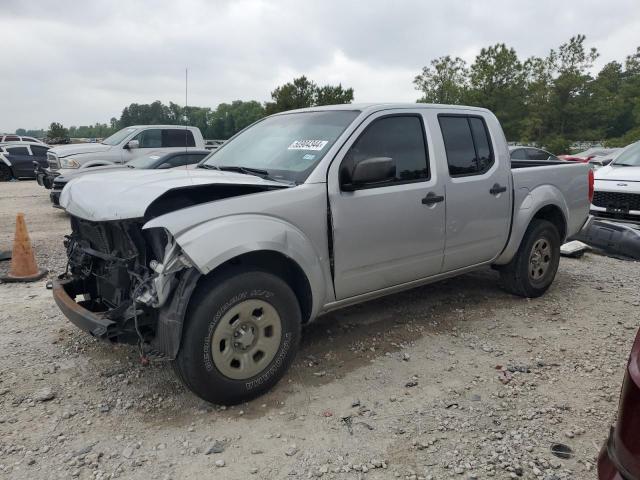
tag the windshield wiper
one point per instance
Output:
(245, 170)
(626, 165)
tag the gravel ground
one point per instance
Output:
(453, 380)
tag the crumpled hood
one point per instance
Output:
(613, 173)
(127, 193)
(79, 149)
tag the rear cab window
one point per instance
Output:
(467, 144)
(178, 138)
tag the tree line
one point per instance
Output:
(219, 123)
(551, 101)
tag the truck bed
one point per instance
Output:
(565, 181)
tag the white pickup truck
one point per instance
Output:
(122, 146)
(218, 268)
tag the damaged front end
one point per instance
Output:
(119, 282)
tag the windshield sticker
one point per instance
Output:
(315, 145)
(308, 156)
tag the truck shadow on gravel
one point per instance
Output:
(333, 346)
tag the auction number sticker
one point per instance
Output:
(315, 145)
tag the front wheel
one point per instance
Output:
(241, 335)
(534, 266)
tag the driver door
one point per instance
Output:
(386, 234)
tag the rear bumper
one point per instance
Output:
(64, 293)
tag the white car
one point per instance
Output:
(119, 148)
(19, 138)
(617, 187)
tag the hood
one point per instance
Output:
(616, 173)
(79, 149)
(67, 174)
(128, 193)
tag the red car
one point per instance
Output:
(620, 456)
(589, 154)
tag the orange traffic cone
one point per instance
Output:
(23, 261)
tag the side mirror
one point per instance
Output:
(132, 144)
(607, 161)
(164, 166)
(371, 171)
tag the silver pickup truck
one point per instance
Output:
(218, 268)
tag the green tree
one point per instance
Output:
(303, 93)
(57, 130)
(21, 131)
(497, 82)
(333, 95)
(444, 81)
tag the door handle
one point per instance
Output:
(432, 198)
(497, 188)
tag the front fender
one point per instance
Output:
(212, 243)
(527, 204)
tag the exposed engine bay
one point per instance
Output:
(123, 273)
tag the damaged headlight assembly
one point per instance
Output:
(154, 293)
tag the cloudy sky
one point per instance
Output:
(82, 62)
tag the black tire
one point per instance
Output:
(5, 173)
(518, 276)
(213, 299)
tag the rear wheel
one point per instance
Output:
(241, 335)
(534, 267)
(5, 173)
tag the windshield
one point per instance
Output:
(117, 137)
(146, 161)
(287, 147)
(629, 157)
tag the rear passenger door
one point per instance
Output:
(478, 192)
(386, 234)
(21, 160)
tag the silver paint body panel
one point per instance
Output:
(383, 239)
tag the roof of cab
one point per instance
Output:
(373, 107)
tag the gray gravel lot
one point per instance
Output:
(453, 380)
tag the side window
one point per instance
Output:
(28, 139)
(39, 151)
(195, 158)
(17, 150)
(467, 143)
(519, 154)
(149, 138)
(11, 138)
(398, 137)
(535, 154)
(178, 138)
(176, 160)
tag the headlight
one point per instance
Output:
(69, 163)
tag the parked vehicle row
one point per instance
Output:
(217, 268)
(119, 148)
(17, 159)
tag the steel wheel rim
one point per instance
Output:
(540, 259)
(246, 339)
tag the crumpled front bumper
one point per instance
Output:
(65, 291)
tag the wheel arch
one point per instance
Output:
(545, 202)
(275, 263)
